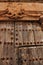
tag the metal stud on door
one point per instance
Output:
(6, 43)
(24, 34)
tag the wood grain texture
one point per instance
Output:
(21, 43)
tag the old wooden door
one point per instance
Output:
(21, 43)
(28, 43)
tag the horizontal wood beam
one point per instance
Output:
(21, 11)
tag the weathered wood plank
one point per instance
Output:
(28, 33)
(13, 50)
(30, 56)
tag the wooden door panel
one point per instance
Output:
(30, 56)
(38, 34)
(18, 43)
(2, 38)
(6, 43)
(23, 34)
